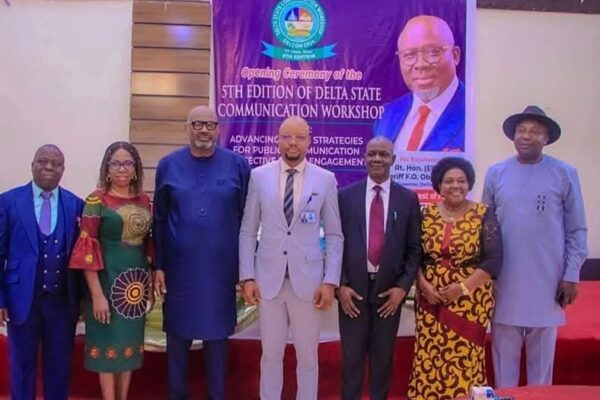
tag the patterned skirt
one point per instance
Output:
(450, 340)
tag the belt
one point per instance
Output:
(372, 275)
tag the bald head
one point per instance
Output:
(49, 146)
(202, 113)
(295, 124)
(380, 141)
(426, 26)
(294, 140)
(428, 56)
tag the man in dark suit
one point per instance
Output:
(39, 296)
(431, 117)
(381, 223)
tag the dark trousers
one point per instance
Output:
(368, 334)
(49, 324)
(215, 361)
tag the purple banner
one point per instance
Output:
(339, 66)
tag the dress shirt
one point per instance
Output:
(436, 107)
(370, 195)
(298, 181)
(38, 200)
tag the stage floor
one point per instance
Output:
(577, 355)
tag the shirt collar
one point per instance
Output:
(439, 104)
(299, 168)
(385, 186)
(37, 191)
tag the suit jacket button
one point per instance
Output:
(289, 233)
(285, 253)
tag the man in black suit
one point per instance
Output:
(381, 223)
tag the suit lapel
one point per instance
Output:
(26, 211)
(360, 209)
(449, 125)
(391, 214)
(68, 212)
(307, 190)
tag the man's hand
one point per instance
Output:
(250, 292)
(566, 293)
(346, 295)
(323, 297)
(100, 309)
(160, 289)
(3, 316)
(394, 295)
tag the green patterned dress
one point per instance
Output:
(114, 241)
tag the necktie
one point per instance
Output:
(376, 228)
(417, 133)
(288, 196)
(45, 222)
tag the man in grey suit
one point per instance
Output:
(288, 275)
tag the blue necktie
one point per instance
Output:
(45, 222)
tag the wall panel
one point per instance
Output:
(170, 64)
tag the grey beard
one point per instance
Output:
(427, 95)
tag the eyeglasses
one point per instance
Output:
(431, 54)
(197, 125)
(288, 138)
(116, 165)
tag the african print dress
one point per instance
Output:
(449, 344)
(114, 241)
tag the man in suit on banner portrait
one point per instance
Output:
(431, 117)
(39, 295)
(381, 223)
(288, 274)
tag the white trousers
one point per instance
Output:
(275, 316)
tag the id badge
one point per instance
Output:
(308, 217)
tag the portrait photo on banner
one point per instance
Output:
(398, 70)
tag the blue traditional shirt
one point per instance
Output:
(198, 206)
(541, 216)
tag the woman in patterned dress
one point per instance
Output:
(113, 249)
(462, 253)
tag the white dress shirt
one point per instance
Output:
(436, 107)
(370, 195)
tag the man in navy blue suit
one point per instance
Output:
(39, 296)
(432, 116)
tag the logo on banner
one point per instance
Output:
(298, 25)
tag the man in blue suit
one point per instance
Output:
(432, 116)
(39, 296)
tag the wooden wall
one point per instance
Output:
(170, 66)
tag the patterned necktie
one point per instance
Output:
(376, 228)
(288, 196)
(45, 222)
(417, 133)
